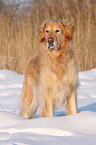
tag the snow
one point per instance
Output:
(58, 130)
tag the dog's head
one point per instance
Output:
(55, 32)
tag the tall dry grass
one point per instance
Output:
(19, 37)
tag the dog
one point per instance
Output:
(51, 78)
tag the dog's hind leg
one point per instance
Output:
(27, 98)
(29, 111)
(33, 108)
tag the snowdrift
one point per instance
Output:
(58, 130)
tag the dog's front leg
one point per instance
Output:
(71, 105)
(47, 108)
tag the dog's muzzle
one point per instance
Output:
(50, 43)
(50, 40)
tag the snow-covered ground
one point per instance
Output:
(58, 130)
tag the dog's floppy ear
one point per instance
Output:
(69, 29)
(42, 32)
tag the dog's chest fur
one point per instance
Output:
(55, 79)
(54, 87)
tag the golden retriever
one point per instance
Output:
(51, 78)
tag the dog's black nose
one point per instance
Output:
(50, 40)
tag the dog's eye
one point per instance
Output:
(47, 31)
(58, 30)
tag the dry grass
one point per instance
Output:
(19, 38)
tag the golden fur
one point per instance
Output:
(52, 77)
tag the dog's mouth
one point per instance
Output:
(51, 46)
